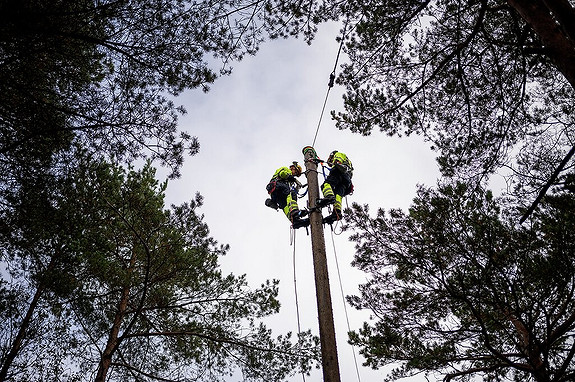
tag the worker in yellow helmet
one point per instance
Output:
(282, 189)
(337, 184)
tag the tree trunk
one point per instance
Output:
(26, 321)
(529, 349)
(17, 343)
(113, 337)
(557, 37)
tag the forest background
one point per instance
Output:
(93, 263)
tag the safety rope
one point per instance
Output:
(330, 84)
(323, 168)
(295, 288)
(344, 304)
(295, 292)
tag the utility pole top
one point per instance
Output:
(330, 362)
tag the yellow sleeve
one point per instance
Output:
(343, 159)
(282, 173)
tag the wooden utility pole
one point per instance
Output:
(325, 312)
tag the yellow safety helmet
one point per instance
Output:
(331, 156)
(297, 168)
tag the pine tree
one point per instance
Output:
(458, 288)
(130, 290)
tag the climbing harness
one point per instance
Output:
(323, 168)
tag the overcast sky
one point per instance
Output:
(259, 119)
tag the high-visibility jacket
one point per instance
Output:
(342, 162)
(282, 173)
(280, 183)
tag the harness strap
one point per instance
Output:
(271, 187)
(323, 168)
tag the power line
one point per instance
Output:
(320, 117)
(330, 84)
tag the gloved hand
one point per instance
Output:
(291, 178)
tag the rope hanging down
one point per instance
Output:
(296, 298)
(330, 84)
(344, 304)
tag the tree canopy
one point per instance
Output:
(489, 84)
(457, 288)
(91, 261)
(114, 287)
(104, 73)
(474, 78)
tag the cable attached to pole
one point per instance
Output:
(295, 289)
(330, 83)
(321, 116)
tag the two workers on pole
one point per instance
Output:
(283, 189)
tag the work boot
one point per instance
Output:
(271, 204)
(334, 216)
(298, 223)
(325, 201)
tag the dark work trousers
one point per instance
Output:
(339, 182)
